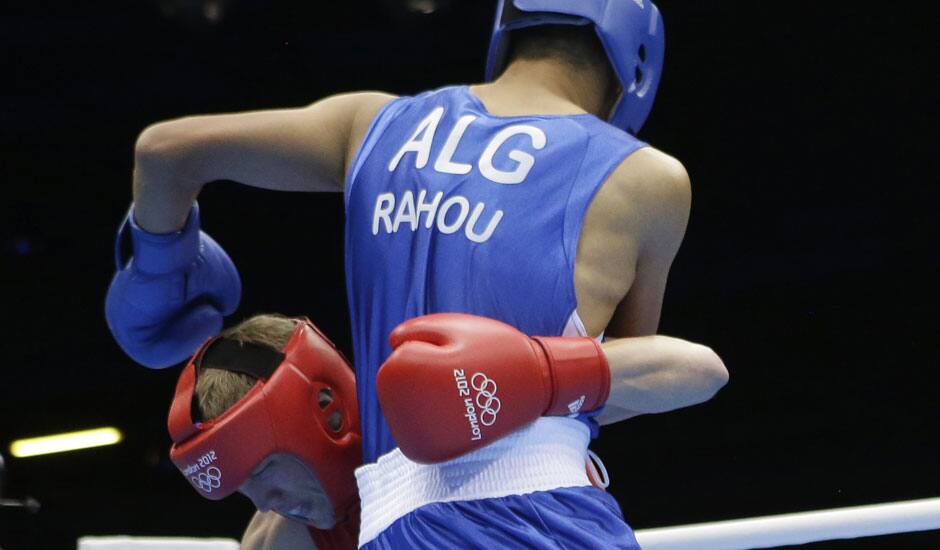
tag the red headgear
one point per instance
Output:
(280, 413)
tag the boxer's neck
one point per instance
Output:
(548, 86)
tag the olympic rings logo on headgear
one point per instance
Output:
(208, 480)
(486, 398)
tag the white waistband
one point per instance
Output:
(548, 454)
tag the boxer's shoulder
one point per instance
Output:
(652, 175)
(647, 195)
(365, 107)
(638, 215)
(646, 186)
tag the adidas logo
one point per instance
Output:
(576, 405)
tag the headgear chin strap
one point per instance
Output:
(280, 414)
(631, 32)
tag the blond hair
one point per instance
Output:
(218, 389)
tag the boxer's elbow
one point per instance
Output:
(692, 375)
(157, 141)
(660, 373)
(164, 148)
(707, 372)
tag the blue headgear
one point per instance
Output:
(630, 30)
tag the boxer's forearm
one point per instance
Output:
(654, 374)
(160, 207)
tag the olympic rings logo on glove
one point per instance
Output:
(208, 480)
(486, 398)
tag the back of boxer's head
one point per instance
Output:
(575, 45)
(218, 389)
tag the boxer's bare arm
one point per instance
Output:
(270, 531)
(306, 149)
(655, 374)
(631, 235)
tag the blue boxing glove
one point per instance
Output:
(172, 294)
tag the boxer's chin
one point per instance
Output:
(304, 513)
(299, 513)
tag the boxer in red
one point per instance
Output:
(268, 409)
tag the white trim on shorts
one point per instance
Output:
(548, 454)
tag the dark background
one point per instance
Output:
(809, 262)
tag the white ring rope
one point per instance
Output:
(799, 528)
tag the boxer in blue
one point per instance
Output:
(527, 202)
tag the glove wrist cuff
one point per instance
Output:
(158, 254)
(580, 374)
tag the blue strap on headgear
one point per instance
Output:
(631, 32)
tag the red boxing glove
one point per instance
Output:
(457, 382)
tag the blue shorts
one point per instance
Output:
(575, 517)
